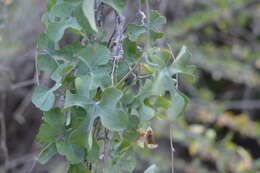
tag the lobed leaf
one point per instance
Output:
(43, 98)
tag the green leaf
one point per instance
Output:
(72, 152)
(151, 169)
(164, 83)
(156, 19)
(60, 12)
(131, 51)
(156, 35)
(93, 153)
(46, 62)
(69, 51)
(79, 135)
(55, 31)
(49, 133)
(54, 117)
(50, 4)
(94, 55)
(146, 113)
(79, 168)
(111, 117)
(131, 132)
(45, 44)
(179, 103)
(79, 14)
(134, 31)
(53, 126)
(89, 11)
(43, 98)
(118, 5)
(180, 64)
(82, 96)
(47, 153)
(59, 73)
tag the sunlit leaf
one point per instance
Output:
(89, 11)
(43, 98)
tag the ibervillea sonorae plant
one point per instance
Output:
(106, 87)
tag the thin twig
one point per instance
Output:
(171, 135)
(23, 84)
(36, 67)
(3, 130)
(172, 149)
(113, 72)
(20, 110)
(129, 72)
(33, 164)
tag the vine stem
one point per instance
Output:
(171, 135)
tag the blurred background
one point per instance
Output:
(220, 131)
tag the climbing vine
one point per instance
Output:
(107, 87)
